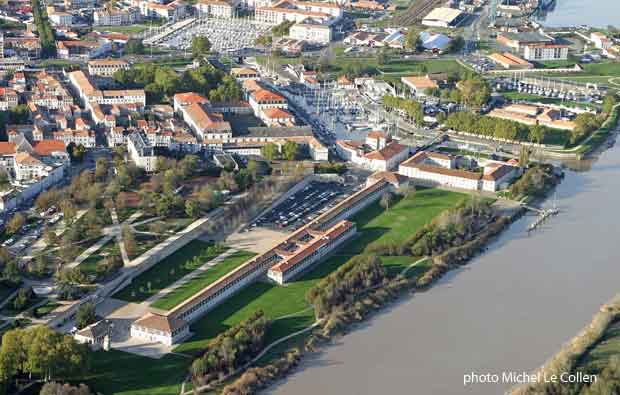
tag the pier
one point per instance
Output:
(543, 215)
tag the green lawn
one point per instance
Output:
(203, 280)
(46, 308)
(132, 29)
(89, 265)
(120, 373)
(165, 272)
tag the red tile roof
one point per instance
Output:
(7, 148)
(47, 147)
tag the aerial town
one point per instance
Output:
(196, 194)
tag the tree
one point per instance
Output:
(101, 169)
(609, 101)
(24, 295)
(200, 46)
(85, 315)
(524, 156)
(456, 45)
(412, 39)
(386, 200)
(15, 223)
(269, 151)
(290, 151)
(538, 134)
(382, 58)
(475, 92)
(134, 47)
(129, 240)
(192, 208)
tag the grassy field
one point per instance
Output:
(131, 29)
(165, 273)
(286, 306)
(120, 373)
(202, 280)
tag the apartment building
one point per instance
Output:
(8, 99)
(311, 32)
(141, 151)
(215, 8)
(106, 67)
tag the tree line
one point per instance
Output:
(160, 83)
(231, 349)
(44, 30)
(535, 182)
(359, 273)
(40, 353)
(411, 108)
(498, 128)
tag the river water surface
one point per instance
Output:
(508, 310)
(599, 13)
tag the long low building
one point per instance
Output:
(292, 256)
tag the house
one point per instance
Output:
(419, 85)
(244, 73)
(208, 125)
(94, 334)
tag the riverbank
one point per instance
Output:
(589, 353)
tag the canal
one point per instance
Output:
(508, 310)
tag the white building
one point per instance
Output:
(106, 67)
(8, 99)
(544, 52)
(215, 8)
(60, 18)
(600, 40)
(385, 158)
(116, 17)
(298, 11)
(141, 152)
(435, 169)
(310, 32)
(160, 329)
(443, 17)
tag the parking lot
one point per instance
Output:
(303, 206)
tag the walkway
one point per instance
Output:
(197, 272)
(112, 231)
